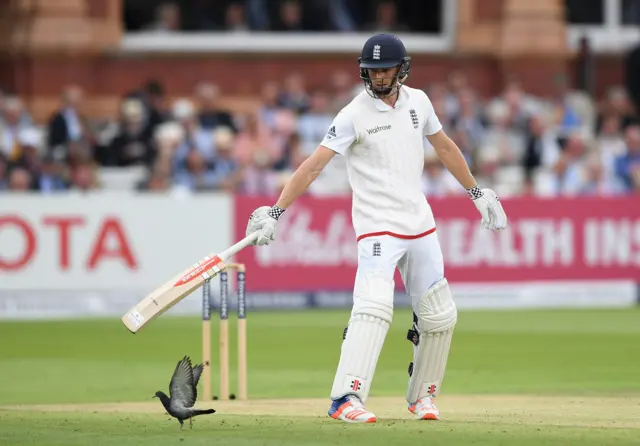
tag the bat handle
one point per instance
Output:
(232, 250)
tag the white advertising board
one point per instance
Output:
(105, 243)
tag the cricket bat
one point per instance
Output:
(173, 291)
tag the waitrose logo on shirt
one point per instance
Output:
(379, 128)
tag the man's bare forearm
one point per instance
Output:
(298, 183)
(456, 164)
(454, 161)
(304, 175)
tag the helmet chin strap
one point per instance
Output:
(386, 91)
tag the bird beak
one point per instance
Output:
(154, 397)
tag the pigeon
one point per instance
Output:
(184, 393)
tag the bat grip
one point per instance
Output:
(232, 250)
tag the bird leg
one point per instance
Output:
(191, 423)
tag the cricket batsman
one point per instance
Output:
(381, 132)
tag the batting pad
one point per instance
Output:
(435, 320)
(359, 356)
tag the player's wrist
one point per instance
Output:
(475, 192)
(275, 212)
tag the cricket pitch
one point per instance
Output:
(604, 412)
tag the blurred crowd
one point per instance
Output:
(518, 144)
(283, 15)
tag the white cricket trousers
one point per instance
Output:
(419, 261)
(421, 266)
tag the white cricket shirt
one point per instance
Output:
(384, 150)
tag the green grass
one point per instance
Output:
(293, 355)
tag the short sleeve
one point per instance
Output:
(341, 134)
(432, 123)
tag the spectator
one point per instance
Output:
(196, 139)
(290, 17)
(167, 18)
(195, 174)
(153, 97)
(468, 119)
(255, 143)
(209, 112)
(30, 144)
(521, 105)
(67, 125)
(314, 123)
(457, 82)
(47, 174)
(227, 171)
(270, 105)
(342, 90)
(166, 138)
(11, 124)
(52, 175)
(465, 143)
(285, 123)
(4, 173)
(617, 103)
(444, 104)
(570, 177)
(610, 146)
(541, 145)
(199, 175)
(292, 156)
(509, 142)
(132, 145)
(20, 180)
(387, 19)
(566, 118)
(84, 177)
(25, 117)
(235, 19)
(339, 15)
(257, 150)
(596, 180)
(294, 96)
(628, 165)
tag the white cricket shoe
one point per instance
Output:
(425, 409)
(349, 408)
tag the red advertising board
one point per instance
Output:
(548, 239)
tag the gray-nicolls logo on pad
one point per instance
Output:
(377, 249)
(376, 51)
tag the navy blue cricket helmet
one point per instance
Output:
(384, 51)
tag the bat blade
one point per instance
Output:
(173, 291)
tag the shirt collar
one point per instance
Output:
(402, 97)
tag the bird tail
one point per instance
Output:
(197, 412)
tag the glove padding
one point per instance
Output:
(261, 221)
(493, 215)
